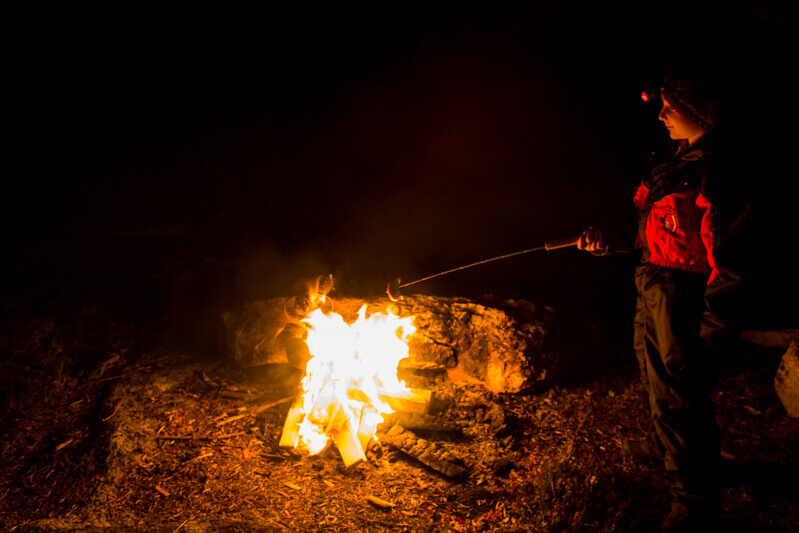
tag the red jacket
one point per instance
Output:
(675, 218)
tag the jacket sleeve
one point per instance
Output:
(707, 232)
(623, 235)
(729, 228)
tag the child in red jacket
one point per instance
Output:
(675, 231)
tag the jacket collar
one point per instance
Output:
(702, 148)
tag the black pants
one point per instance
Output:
(678, 374)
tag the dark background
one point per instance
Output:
(193, 161)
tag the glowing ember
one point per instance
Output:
(349, 381)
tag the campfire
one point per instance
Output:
(351, 382)
(351, 396)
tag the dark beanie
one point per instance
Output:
(692, 95)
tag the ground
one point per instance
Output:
(107, 425)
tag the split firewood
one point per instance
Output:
(348, 444)
(412, 401)
(367, 425)
(291, 428)
(426, 452)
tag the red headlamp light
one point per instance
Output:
(648, 96)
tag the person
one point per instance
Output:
(672, 323)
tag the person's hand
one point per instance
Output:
(591, 240)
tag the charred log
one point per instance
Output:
(422, 423)
(426, 452)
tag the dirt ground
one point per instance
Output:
(108, 426)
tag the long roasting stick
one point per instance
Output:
(395, 286)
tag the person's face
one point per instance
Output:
(679, 127)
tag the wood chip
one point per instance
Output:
(64, 444)
(161, 491)
(292, 486)
(383, 504)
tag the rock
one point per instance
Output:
(786, 381)
(261, 332)
(504, 346)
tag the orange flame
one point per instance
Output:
(349, 364)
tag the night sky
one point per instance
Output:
(265, 148)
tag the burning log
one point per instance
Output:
(291, 427)
(426, 452)
(370, 418)
(412, 401)
(409, 401)
(348, 443)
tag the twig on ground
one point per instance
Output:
(269, 405)
(181, 525)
